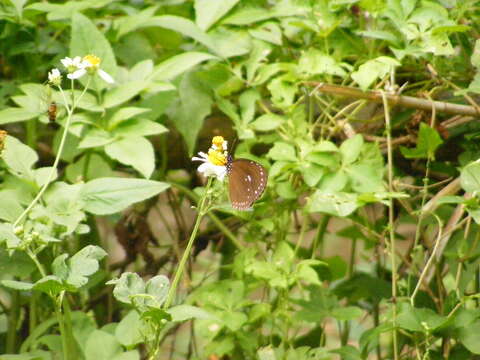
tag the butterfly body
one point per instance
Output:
(247, 181)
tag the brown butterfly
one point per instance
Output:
(247, 180)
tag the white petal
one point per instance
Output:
(76, 60)
(195, 158)
(77, 74)
(105, 76)
(208, 169)
(66, 62)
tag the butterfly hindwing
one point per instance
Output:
(247, 181)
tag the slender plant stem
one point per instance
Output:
(221, 226)
(186, 253)
(322, 227)
(391, 224)
(14, 316)
(63, 334)
(53, 169)
(429, 262)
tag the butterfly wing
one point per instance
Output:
(247, 180)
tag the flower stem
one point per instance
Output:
(186, 253)
(63, 333)
(57, 158)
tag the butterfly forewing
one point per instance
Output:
(247, 181)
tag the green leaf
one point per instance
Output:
(333, 203)
(373, 70)
(314, 62)
(123, 93)
(470, 177)
(7, 234)
(125, 114)
(183, 26)
(12, 114)
(51, 285)
(427, 143)
(87, 39)
(19, 157)
(209, 12)
(83, 264)
(110, 195)
(10, 209)
(312, 173)
(139, 127)
(17, 264)
(365, 178)
(269, 31)
(474, 59)
(95, 138)
(126, 24)
(102, 346)
(129, 330)
(350, 149)
(92, 166)
(267, 122)
(283, 152)
(17, 285)
(127, 286)
(135, 151)
(469, 336)
(419, 319)
(193, 105)
(64, 206)
(157, 287)
(347, 313)
(176, 65)
(348, 353)
(186, 312)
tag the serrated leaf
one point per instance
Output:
(135, 151)
(110, 195)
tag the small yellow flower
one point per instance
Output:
(93, 60)
(219, 143)
(92, 65)
(217, 158)
(215, 162)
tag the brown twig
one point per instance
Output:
(406, 101)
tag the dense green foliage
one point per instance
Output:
(365, 243)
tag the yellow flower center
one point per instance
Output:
(218, 141)
(92, 59)
(217, 158)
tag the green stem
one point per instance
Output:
(32, 133)
(221, 226)
(34, 258)
(391, 225)
(63, 334)
(322, 227)
(14, 315)
(420, 217)
(53, 169)
(186, 253)
(302, 233)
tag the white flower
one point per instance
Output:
(209, 168)
(92, 64)
(54, 77)
(75, 67)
